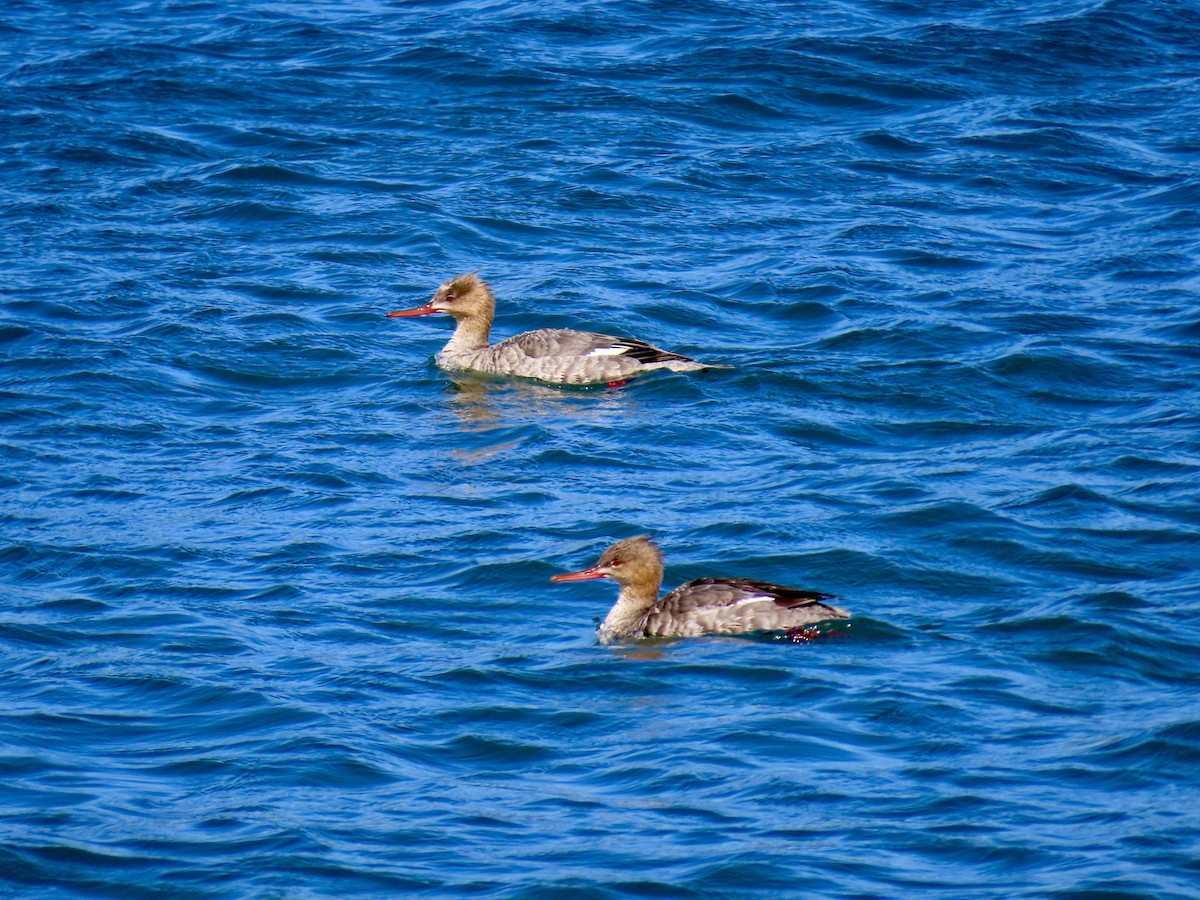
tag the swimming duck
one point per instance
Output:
(704, 606)
(557, 355)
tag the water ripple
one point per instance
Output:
(278, 617)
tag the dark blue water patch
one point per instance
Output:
(278, 588)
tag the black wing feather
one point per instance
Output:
(648, 353)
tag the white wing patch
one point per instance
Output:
(607, 351)
(742, 600)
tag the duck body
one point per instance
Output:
(563, 356)
(732, 606)
(555, 355)
(703, 606)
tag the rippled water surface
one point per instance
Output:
(275, 611)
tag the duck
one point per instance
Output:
(555, 355)
(703, 606)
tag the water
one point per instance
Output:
(276, 614)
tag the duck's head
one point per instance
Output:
(464, 297)
(634, 562)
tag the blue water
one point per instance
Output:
(275, 617)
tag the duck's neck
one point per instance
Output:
(470, 334)
(625, 618)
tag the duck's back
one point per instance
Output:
(737, 606)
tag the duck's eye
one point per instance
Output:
(450, 297)
(616, 562)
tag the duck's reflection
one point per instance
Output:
(482, 403)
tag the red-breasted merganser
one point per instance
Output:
(556, 355)
(704, 606)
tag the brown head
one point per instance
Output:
(464, 297)
(632, 563)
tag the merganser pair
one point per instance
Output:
(556, 355)
(704, 606)
(563, 356)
